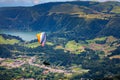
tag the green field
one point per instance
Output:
(36, 44)
(96, 39)
(8, 41)
(74, 47)
(116, 9)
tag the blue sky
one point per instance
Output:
(4, 3)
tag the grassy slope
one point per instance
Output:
(8, 41)
(36, 44)
(116, 9)
(74, 47)
(97, 44)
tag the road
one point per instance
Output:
(31, 62)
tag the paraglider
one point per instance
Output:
(41, 38)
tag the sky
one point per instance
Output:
(6, 3)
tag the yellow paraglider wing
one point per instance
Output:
(38, 37)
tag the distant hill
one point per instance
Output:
(8, 39)
(73, 20)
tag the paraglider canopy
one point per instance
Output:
(41, 38)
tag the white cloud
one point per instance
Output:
(36, 1)
(16, 2)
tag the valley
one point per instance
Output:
(83, 41)
(62, 57)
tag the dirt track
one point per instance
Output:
(46, 67)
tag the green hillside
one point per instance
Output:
(5, 39)
(81, 17)
(82, 42)
(8, 41)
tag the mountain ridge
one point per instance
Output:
(84, 18)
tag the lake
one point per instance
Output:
(27, 36)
